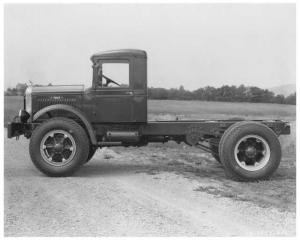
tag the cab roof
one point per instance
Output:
(121, 53)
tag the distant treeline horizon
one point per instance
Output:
(225, 93)
(222, 94)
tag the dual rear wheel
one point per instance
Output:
(249, 151)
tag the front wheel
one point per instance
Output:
(58, 147)
(92, 151)
(249, 151)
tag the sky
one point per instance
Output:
(193, 45)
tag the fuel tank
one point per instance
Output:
(122, 136)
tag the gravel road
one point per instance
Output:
(122, 193)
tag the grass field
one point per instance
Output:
(219, 110)
(170, 109)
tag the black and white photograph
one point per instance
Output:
(151, 119)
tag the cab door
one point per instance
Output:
(113, 95)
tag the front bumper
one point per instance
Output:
(15, 129)
(19, 125)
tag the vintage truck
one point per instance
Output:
(66, 124)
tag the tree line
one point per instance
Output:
(223, 94)
(20, 89)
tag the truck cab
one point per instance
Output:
(123, 99)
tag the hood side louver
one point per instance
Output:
(46, 101)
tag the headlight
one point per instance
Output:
(23, 115)
(28, 100)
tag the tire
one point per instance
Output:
(58, 147)
(91, 153)
(249, 151)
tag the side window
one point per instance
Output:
(115, 75)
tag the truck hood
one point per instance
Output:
(58, 89)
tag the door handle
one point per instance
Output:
(130, 92)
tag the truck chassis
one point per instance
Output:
(66, 125)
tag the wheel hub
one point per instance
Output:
(250, 152)
(58, 147)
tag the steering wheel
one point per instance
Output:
(108, 81)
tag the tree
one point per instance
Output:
(291, 99)
(279, 99)
(21, 87)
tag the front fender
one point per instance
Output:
(70, 109)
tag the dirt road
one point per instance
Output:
(149, 191)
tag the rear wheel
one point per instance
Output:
(58, 147)
(249, 151)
